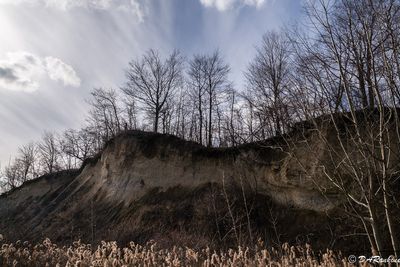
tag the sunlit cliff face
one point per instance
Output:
(53, 52)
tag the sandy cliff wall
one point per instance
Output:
(132, 164)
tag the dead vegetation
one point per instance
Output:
(110, 254)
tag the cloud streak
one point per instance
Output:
(223, 5)
(23, 71)
(134, 7)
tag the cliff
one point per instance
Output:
(151, 186)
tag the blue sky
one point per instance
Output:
(53, 52)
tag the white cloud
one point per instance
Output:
(59, 71)
(23, 71)
(223, 5)
(133, 6)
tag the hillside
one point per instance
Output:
(150, 186)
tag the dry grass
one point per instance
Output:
(109, 254)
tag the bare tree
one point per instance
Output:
(21, 169)
(215, 72)
(77, 146)
(49, 153)
(153, 82)
(197, 86)
(11, 176)
(105, 113)
(129, 112)
(183, 111)
(27, 157)
(268, 78)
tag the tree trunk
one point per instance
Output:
(376, 230)
(157, 115)
(209, 123)
(200, 122)
(389, 220)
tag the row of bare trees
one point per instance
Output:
(162, 95)
(344, 59)
(52, 153)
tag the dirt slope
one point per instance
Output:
(146, 185)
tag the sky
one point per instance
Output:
(54, 52)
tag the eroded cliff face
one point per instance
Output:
(146, 185)
(132, 164)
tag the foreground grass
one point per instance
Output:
(109, 254)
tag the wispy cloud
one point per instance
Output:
(135, 7)
(223, 5)
(23, 71)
